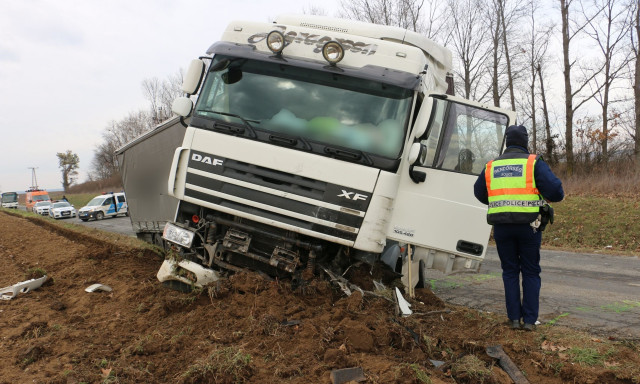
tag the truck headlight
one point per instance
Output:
(177, 235)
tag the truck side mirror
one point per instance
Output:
(420, 130)
(417, 152)
(193, 77)
(182, 106)
(417, 155)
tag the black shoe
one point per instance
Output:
(515, 324)
(529, 327)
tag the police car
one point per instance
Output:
(61, 210)
(106, 205)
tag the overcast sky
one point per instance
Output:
(69, 67)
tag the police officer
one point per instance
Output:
(515, 186)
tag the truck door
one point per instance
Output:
(441, 215)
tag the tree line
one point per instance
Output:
(569, 68)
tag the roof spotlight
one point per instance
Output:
(333, 52)
(275, 41)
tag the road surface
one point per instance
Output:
(594, 292)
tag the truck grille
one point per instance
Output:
(306, 203)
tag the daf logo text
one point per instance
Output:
(206, 159)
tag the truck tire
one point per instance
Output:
(99, 216)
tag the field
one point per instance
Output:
(248, 329)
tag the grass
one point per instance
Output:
(230, 361)
(121, 240)
(588, 356)
(421, 375)
(595, 223)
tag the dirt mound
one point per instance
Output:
(246, 328)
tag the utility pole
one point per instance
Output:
(34, 179)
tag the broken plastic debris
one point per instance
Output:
(403, 304)
(169, 271)
(379, 286)
(8, 293)
(437, 363)
(98, 287)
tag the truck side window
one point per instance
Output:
(108, 201)
(463, 138)
(120, 199)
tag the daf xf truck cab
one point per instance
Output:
(321, 141)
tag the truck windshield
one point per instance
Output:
(313, 106)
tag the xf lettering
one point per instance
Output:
(352, 195)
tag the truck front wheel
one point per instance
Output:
(99, 216)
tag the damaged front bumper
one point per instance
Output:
(186, 272)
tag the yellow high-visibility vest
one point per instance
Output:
(512, 192)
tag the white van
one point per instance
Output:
(105, 205)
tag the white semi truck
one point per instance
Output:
(322, 141)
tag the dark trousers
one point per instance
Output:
(519, 251)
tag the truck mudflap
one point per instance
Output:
(187, 272)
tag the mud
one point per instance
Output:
(247, 329)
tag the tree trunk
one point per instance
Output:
(568, 102)
(506, 54)
(547, 124)
(534, 128)
(636, 90)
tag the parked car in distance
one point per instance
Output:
(61, 210)
(41, 207)
(105, 205)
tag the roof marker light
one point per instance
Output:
(333, 52)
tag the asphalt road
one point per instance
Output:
(594, 292)
(119, 224)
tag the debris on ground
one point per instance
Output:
(250, 329)
(8, 293)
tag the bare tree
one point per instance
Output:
(635, 48)
(570, 29)
(160, 94)
(116, 135)
(400, 13)
(507, 16)
(496, 32)
(545, 113)
(608, 30)
(535, 47)
(469, 33)
(152, 91)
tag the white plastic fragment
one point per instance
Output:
(379, 286)
(98, 287)
(8, 293)
(403, 304)
(169, 271)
